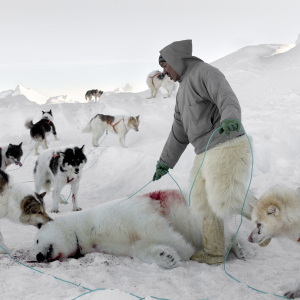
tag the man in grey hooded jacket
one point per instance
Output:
(204, 102)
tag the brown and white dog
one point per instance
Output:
(20, 204)
(115, 124)
(96, 93)
(277, 215)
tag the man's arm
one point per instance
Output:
(176, 142)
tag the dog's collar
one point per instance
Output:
(69, 180)
(48, 122)
(298, 240)
(113, 126)
(154, 76)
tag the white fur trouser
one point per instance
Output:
(220, 186)
(222, 181)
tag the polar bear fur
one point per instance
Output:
(156, 228)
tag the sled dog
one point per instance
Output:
(20, 204)
(10, 154)
(157, 227)
(60, 167)
(277, 214)
(96, 93)
(115, 124)
(156, 79)
(40, 130)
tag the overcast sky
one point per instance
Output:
(70, 46)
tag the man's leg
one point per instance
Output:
(213, 229)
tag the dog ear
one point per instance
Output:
(43, 194)
(138, 117)
(82, 148)
(272, 209)
(10, 146)
(20, 145)
(43, 112)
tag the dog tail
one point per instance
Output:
(28, 123)
(4, 178)
(87, 128)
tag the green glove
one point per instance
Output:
(230, 125)
(161, 170)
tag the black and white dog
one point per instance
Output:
(40, 130)
(91, 93)
(60, 167)
(10, 154)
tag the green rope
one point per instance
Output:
(241, 211)
(91, 291)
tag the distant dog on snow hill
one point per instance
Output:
(157, 228)
(60, 167)
(117, 124)
(20, 204)
(96, 93)
(277, 214)
(157, 79)
(40, 130)
(10, 154)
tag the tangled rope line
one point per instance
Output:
(188, 204)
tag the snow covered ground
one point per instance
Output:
(268, 87)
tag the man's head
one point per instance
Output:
(168, 70)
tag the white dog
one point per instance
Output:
(156, 228)
(20, 204)
(277, 214)
(156, 79)
(60, 167)
(115, 124)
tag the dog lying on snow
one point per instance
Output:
(40, 130)
(116, 124)
(20, 204)
(60, 166)
(277, 214)
(157, 228)
(10, 154)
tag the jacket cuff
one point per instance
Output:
(230, 112)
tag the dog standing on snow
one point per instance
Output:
(10, 154)
(277, 214)
(60, 167)
(20, 204)
(96, 93)
(116, 124)
(157, 79)
(157, 228)
(40, 130)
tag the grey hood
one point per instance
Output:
(177, 54)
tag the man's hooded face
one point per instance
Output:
(168, 70)
(174, 57)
